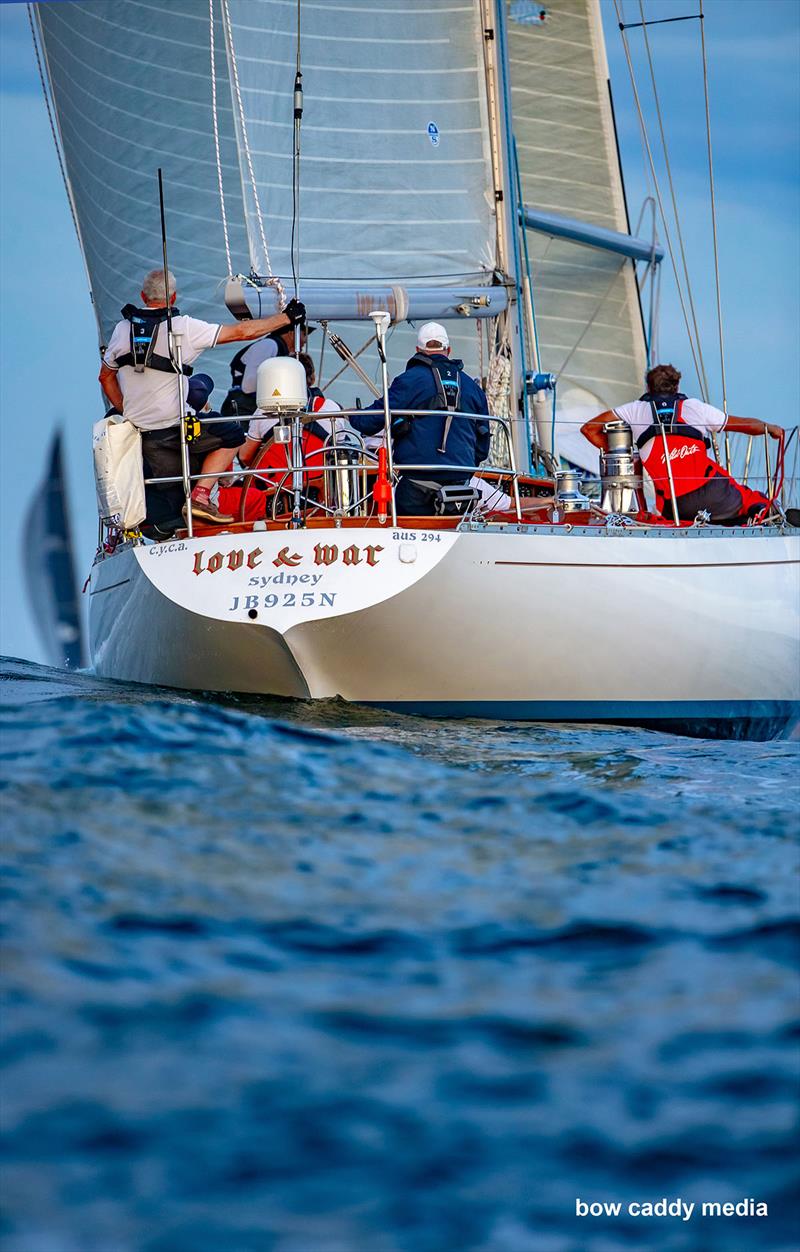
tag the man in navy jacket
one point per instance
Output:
(431, 380)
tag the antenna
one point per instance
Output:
(188, 430)
(164, 253)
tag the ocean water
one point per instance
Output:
(292, 978)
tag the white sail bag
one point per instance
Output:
(118, 474)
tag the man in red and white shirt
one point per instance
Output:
(148, 397)
(663, 415)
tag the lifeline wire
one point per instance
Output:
(668, 167)
(648, 149)
(216, 135)
(713, 213)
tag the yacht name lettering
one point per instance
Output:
(234, 561)
(328, 554)
(324, 554)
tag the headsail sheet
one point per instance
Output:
(587, 308)
(396, 176)
(130, 83)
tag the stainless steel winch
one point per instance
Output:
(569, 497)
(620, 471)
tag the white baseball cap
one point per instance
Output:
(432, 335)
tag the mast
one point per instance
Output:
(498, 95)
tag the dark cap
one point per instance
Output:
(200, 388)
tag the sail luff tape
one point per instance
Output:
(400, 296)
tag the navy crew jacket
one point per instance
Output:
(415, 388)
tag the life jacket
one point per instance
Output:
(144, 325)
(237, 363)
(278, 457)
(687, 448)
(447, 396)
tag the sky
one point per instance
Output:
(48, 332)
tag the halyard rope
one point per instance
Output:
(272, 279)
(216, 135)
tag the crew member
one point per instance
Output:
(664, 413)
(260, 425)
(138, 377)
(241, 399)
(431, 380)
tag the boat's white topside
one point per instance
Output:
(480, 616)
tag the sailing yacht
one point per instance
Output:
(449, 162)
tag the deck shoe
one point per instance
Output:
(793, 517)
(205, 511)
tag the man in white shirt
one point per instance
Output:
(138, 376)
(663, 415)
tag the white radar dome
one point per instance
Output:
(281, 385)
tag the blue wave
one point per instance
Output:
(308, 978)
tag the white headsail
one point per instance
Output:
(396, 177)
(130, 83)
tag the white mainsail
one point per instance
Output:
(587, 308)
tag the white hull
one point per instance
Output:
(535, 623)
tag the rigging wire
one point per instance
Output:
(657, 188)
(673, 197)
(713, 213)
(216, 135)
(272, 279)
(294, 247)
